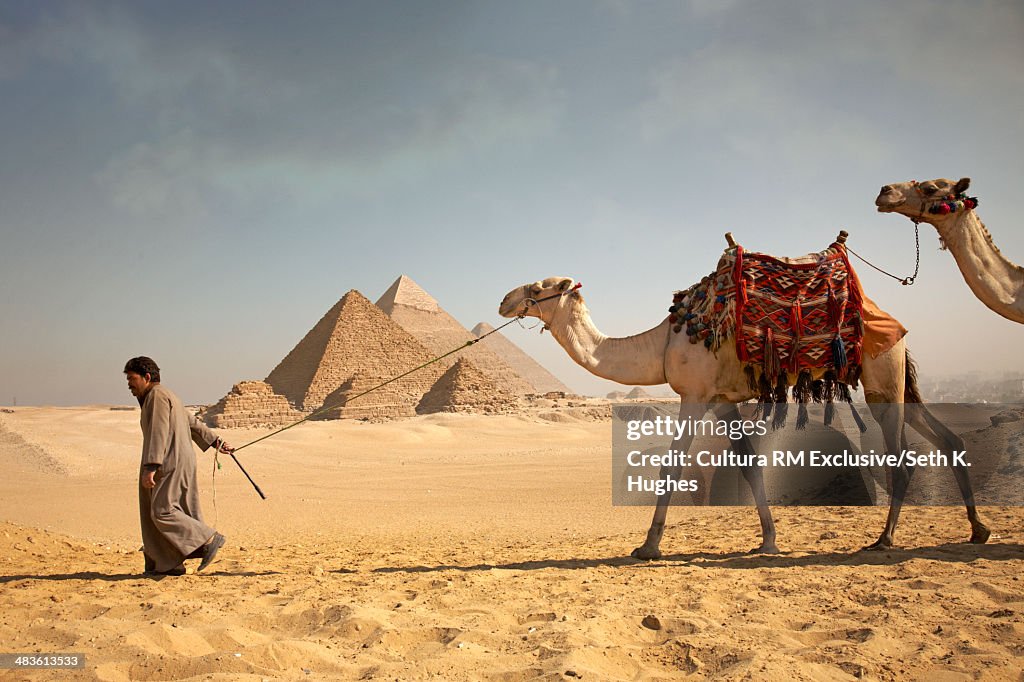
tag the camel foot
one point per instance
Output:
(879, 544)
(645, 552)
(765, 548)
(980, 534)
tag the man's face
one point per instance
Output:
(138, 384)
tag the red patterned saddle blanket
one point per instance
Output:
(785, 315)
(800, 313)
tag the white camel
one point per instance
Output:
(717, 380)
(995, 280)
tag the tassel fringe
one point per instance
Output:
(773, 400)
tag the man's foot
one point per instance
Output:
(210, 550)
(177, 570)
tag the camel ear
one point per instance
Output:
(962, 186)
(564, 284)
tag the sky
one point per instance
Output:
(201, 182)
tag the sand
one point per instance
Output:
(475, 548)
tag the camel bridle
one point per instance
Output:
(529, 302)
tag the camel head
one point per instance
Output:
(928, 202)
(539, 299)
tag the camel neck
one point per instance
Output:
(636, 360)
(994, 279)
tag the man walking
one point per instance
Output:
(172, 523)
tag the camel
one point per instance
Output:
(995, 280)
(704, 380)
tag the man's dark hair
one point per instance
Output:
(143, 366)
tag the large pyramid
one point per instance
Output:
(419, 314)
(525, 366)
(354, 340)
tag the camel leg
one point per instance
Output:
(890, 417)
(651, 549)
(941, 437)
(754, 476)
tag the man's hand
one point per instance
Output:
(222, 446)
(148, 479)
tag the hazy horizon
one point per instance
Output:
(201, 183)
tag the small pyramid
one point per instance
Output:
(353, 338)
(638, 394)
(354, 399)
(524, 365)
(251, 404)
(418, 312)
(464, 388)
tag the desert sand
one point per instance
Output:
(474, 548)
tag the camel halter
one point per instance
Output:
(949, 204)
(530, 302)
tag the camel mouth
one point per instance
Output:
(509, 305)
(888, 204)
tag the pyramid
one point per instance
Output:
(638, 394)
(354, 338)
(417, 312)
(251, 404)
(464, 388)
(525, 366)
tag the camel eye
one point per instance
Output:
(535, 289)
(929, 188)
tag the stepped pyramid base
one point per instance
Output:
(251, 404)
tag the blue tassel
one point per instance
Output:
(838, 353)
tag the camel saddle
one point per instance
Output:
(788, 316)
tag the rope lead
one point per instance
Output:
(380, 385)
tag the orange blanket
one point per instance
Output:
(881, 330)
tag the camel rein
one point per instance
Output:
(527, 303)
(905, 281)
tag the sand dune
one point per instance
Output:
(475, 548)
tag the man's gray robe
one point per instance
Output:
(172, 523)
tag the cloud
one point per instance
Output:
(344, 100)
(794, 79)
(307, 140)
